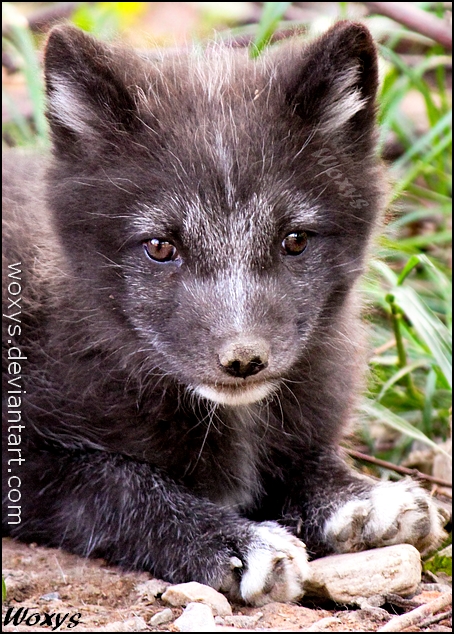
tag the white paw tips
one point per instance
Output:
(276, 567)
(392, 513)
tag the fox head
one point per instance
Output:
(220, 208)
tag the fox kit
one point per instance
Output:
(181, 327)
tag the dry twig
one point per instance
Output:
(414, 473)
(436, 618)
(42, 19)
(415, 19)
(417, 616)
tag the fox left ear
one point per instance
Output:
(89, 102)
(334, 85)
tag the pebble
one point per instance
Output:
(243, 622)
(194, 592)
(435, 587)
(197, 617)
(16, 580)
(50, 596)
(152, 589)
(164, 616)
(323, 625)
(366, 577)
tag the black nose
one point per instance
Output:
(244, 359)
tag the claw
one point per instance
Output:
(235, 562)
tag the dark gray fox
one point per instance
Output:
(182, 348)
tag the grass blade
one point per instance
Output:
(378, 412)
(430, 329)
(273, 13)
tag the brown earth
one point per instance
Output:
(101, 597)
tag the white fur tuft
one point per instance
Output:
(393, 513)
(237, 396)
(67, 107)
(276, 566)
(345, 102)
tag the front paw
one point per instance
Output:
(392, 513)
(275, 567)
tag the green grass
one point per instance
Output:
(272, 15)
(22, 48)
(408, 285)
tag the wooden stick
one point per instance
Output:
(400, 623)
(436, 618)
(414, 473)
(415, 19)
(385, 347)
(42, 19)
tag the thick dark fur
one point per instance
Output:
(223, 157)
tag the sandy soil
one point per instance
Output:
(96, 596)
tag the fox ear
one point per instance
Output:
(334, 86)
(88, 97)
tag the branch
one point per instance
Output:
(414, 473)
(42, 19)
(417, 616)
(436, 618)
(415, 19)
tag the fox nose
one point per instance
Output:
(241, 359)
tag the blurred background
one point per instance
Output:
(404, 416)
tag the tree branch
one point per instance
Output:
(414, 473)
(43, 19)
(417, 616)
(441, 616)
(415, 19)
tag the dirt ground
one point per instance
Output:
(96, 596)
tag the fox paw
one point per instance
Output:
(275, 567)
(392, 513)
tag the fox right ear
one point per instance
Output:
(88, 96)
(333, 87)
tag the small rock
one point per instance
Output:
(323, 625)
(370, 575)
(51, 596)
(243, 622)
(370, 612)
(136, 624)
(197, 617)
(194, 592)
(434, 587)
(16, 580)
(164, 616)
(152, 589)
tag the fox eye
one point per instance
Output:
(160, 250)
(294, 243)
